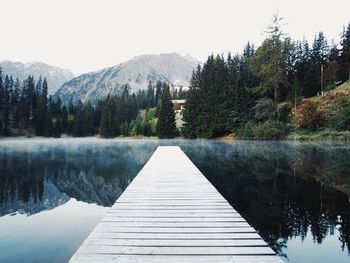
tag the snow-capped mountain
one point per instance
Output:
(55, 76)
(137, 72)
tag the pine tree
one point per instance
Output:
(6, 107)
(247, 80)
(29, 99)
(44, 108)
(166, 127)
(150, 95)
(88, 117)
(158, 92)
(15, 102)
(78, 124)
(344, 59)
(315, 57)
(270, 59)
(108, 116)
(191, 108)
(40, 114)
(64, 119)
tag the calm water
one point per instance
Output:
(54, 191)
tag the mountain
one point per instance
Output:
(137, 72)
(55, 76)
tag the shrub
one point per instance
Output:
(309, 115)
(246, 131)
(268, 130)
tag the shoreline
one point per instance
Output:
(313, 137)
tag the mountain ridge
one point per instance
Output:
(55, 75)
(137, 72)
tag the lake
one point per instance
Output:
(53, 192)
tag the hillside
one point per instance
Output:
(171, 68)
(329, 114)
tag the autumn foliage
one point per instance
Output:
(309, 115)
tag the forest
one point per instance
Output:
(283, 87)
(27, 110)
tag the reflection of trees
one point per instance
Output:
(12, 184)
(282, 189)
(88, 173)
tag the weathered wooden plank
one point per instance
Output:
(171, 213)
(189, 250)
(198, 224)
(136, 229)
(176, 243)
(97, 234)
(110, 217)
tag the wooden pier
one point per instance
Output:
(171, 213)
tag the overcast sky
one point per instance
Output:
(86, 35)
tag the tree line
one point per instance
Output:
(256, 90)
(27, 110)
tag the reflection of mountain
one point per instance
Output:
(91, 188)
(48, 176)
(50, 198)
(284, 190)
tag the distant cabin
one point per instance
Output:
(178, 105)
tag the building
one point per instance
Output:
(178, 105)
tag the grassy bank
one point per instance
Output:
(324, 134)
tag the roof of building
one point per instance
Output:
(178, 101)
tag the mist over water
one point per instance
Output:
(53, 192)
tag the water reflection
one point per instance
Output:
(285, 190)
(38, 177)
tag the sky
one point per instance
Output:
(87, 35)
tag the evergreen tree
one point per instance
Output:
(314, 58)
(270, 62)
(212, 100)
(41, 115)
(78, 123)
(191, 109)
(64, 120)
(246, 79)
(150, 95)
(44, 108)
(158, 95)
(6, 106)
(15, 103)
(107, 126)
(166, 127)
(29, 95)
(344, 59)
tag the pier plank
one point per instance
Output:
(171, 213)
